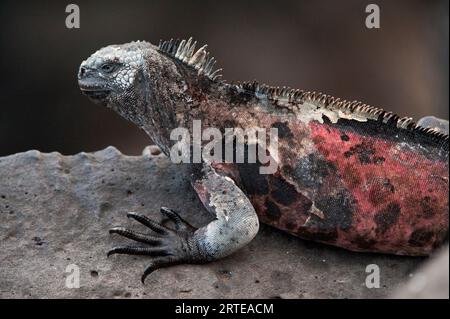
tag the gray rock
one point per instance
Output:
(430, 281)
(56, 211)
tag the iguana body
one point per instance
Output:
(348, 174)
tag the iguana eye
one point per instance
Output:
(108, 67)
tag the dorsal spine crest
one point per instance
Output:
(183, 50)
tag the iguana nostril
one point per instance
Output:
(81, 72)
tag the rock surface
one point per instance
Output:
(431, 281)
(56, 210)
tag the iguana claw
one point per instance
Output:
(168, 246)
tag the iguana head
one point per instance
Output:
(146, 84)
(112, 74)
(109, 75)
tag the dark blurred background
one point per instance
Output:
(318, 45)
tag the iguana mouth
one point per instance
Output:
(94, 92)
(98, 94)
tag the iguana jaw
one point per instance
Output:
(97, 90)
(95, 94)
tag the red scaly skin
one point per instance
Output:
(354, 190)
(401, 196)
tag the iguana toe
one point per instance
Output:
(180, 223)
(168, 246)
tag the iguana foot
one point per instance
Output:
(168, 246)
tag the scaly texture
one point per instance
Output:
(349, 174)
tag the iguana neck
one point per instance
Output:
(171, 95)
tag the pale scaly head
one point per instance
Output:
(149, 85)
(108, 76)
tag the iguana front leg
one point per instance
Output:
(235, 225)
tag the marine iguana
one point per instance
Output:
(348, 174)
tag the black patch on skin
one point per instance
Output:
(287, 170)
(365, 154)
(283, 129)
(205, 84)
(273, 212)
(389, 132)
(194, 170)
(329, 236)
(290, 225)
(441, 238)
(254, 183)
(282, 192)
(345, 138)
(237, 97)
(311, 170)
(387, 217)
(420, 237)
(306, 204)
(364, 243)
(338, 211)
(427, 209)
(326, 119)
